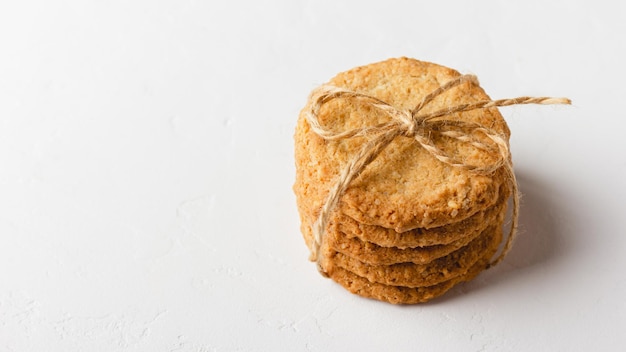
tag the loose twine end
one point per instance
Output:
(411, 123)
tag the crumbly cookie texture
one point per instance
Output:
(421, 237)
(405, 187)
(371, 253)
(416, 275)
(378, 245)
(410, 295)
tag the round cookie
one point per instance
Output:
(372, 237)
(417, 275)
(371, 253)
(421, 237)
(398, 294)
(352, 231)
(407, 295)
(405, 187)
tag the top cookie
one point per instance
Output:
(405, 187)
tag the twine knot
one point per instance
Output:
(418, 126)
(412, 122)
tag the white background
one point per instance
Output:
(146, 164)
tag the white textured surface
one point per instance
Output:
(146, 167)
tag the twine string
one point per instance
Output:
(412, 124)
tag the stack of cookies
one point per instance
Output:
(408, 227)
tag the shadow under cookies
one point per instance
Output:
(541, 239)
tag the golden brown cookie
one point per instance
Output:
(421, 237)
(397, 247)
(417, 275)
(407, 295)
(418, 237)
(399, 294)
(371, 253)
(405, 187)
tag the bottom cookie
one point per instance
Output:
(407, 295)
(439, 270)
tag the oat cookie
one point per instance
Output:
(373, 254)
(421, 237)
(354, 245)
(407, 295)
(382, 246)
(405, 187)
(416, 275)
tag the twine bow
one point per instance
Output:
(413, 124)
